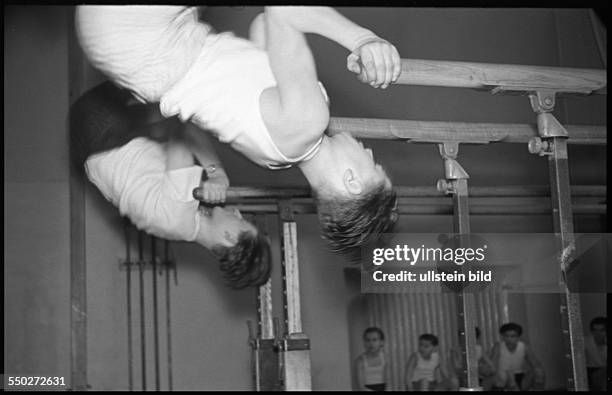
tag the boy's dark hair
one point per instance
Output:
(598, 321)
(511, 326)
(433, 339)
(247, 263)
(374, 329)
(349, 223)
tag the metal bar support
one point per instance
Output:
(456, 184)
(553, 144)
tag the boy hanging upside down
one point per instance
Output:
(117, 144)
(261, 96)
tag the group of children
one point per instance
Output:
(510, 364)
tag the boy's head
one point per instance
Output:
(356, 202)
(511, 334)
(427, 344)
(599, 328)
(373, 339)
(243, 252)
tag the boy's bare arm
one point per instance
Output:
(488, 364)
(410, 366)
(443, 368)
(495, 356)
(380, 58)
(531, 358)
(360, 374)
(199, 142)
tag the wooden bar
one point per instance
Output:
(461, 132)
(246, 194)
(439, 209)
(509, 77)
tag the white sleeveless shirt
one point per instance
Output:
(374, 374)
(220, 93)
(511, 361)
(425, 368)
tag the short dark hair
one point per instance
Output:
(511, 326)
(433, 339)
(349, 223)
(599, 321)
(374, 329)
(247, 263)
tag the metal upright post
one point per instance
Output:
(456, 184)
(553, 143)
(295, 347)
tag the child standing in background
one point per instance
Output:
(596, 350)
(425, 369)
(371, 366)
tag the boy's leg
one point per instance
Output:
(296, 104)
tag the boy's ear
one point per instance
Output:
(351, 182)
(232, 239)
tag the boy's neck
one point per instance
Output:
(316, 168)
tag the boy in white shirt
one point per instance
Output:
(119, 146)
(425, 368)
(516, 366)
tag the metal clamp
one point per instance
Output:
(285, 210)
(452, 169)
(542, 101)
(549, 126)
(541, 147)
